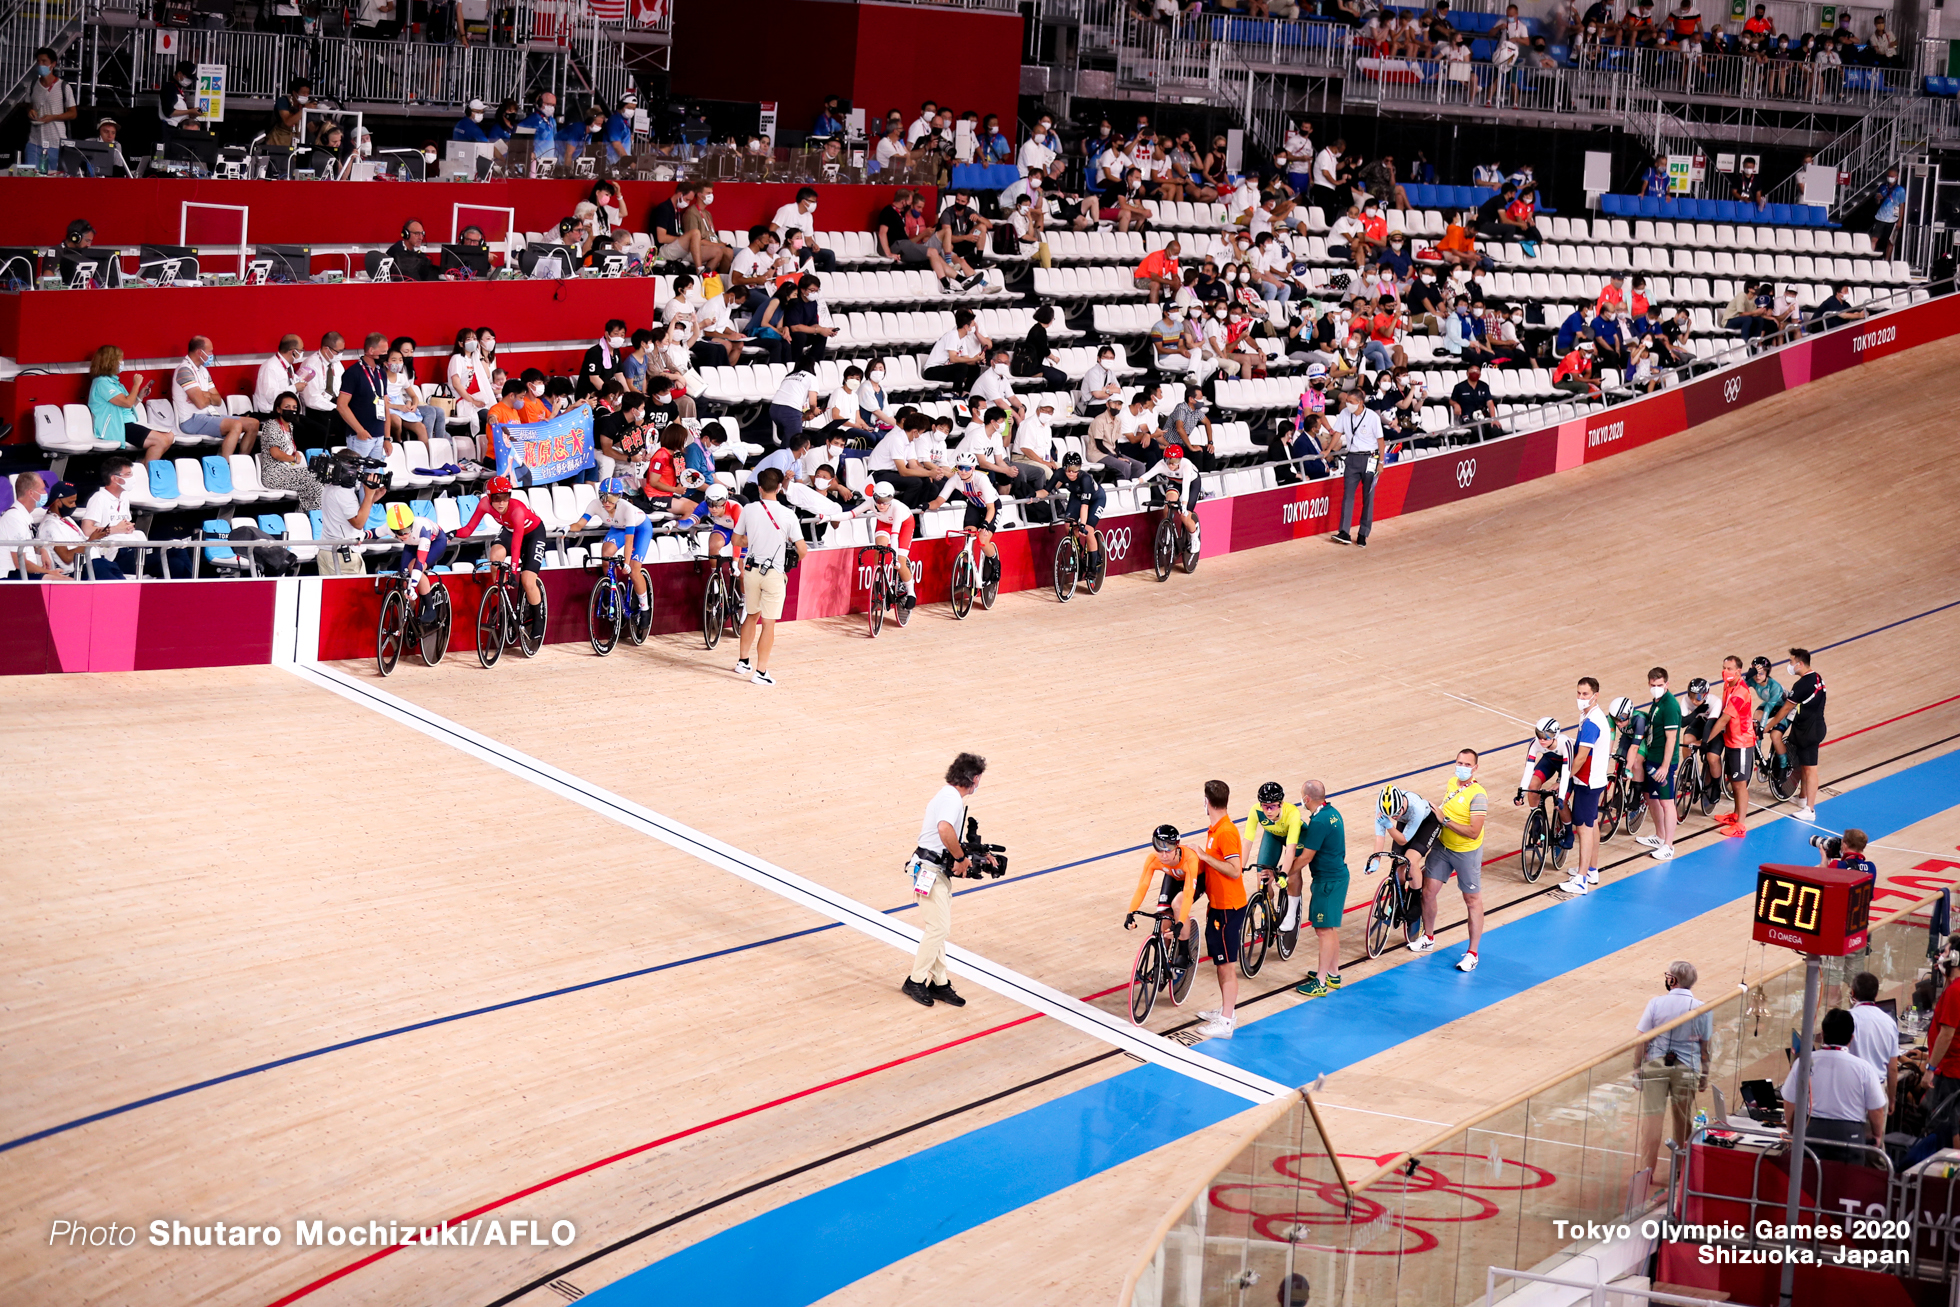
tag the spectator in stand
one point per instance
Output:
(1882, 49)
(1158, 274)
(830, 118)
(24, 562)
(986, 441)
(111, 406)
(1761, 24)
(1472, 402)
(407, 415)
(200, 409)
(50, 108)
(67, 542)
(605, 360)
(285, 370)
(1577, 373)
(1330, 180)
(1836, 310)
(281, 465)
(319, 385)
(958, 356)
(470, 126)
(433, 419)
(468, 378)
(1100, 445)
(901, 459)
(995, 384)
(109, 518)
(1653, 181)
(800, 215)
(363, 401)
(1891, 205)
(673, 243)
(1034, 448)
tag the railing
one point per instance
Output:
(1581, 1148)
(1741, 77)
(259, 65)
(26, 26)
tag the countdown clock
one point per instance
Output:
(1820, 910)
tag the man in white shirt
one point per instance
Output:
(68, 553)
(108, 511)
(200, 409)
(1099, 383)
(800, 215)
(898, 460)
(1325, 192)
(1876, 1038)
(940, 853)
(767, 531)
(1035, 156)
(1847, 1097)
(345, 505)
(1034, 448)
(926, 124)
(280, 374)
(959, 355)
(1360, 439)
(319, 393)
(996, 385)
(18, 523)
(987, 443)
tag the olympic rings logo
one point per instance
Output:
(1731, 388)
(1466, 472)
(1116, 541)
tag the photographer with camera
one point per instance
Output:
(348, 494)
(1844, 852)
(941, 854)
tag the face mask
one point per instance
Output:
(1462, 772)
(288, 414)
(395, 368)
(43, 70)
(1000, 369)
(489, 343)
(823, 483)
(877, 374)
(536, 388)
(476, 117)
(1656, 691)
(65, 510)
(617, 342)
(1584, 704)
(1219, 314)
(469, 347)
(850, 385)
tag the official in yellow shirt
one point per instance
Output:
(1459, 851)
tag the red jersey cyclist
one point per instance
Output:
(624, 522)
(522, 539)
(1181, 870)
(429, 542)
(891, 526)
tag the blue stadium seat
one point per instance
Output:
(1819, 215)
(423, 508)
(1778, 215)
(220, 529)
(313, 516)
(1727, 211)
(1648, 207)
(377, 518)
(217, 475)
(273, 525)
(163, 479)
(1481, 47)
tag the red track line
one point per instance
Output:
(373, 1257)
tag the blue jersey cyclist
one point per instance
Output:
(1404, 824)
(624, 522)
(429, 543)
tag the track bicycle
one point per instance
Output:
(1072, 567)
(1547, 834)
(610, 612)
(1777, 771)
(722, 605)
(887, 587)
(1628, 797)
(1157, 965)
(498, 616)
(973, 574)
(1396, 905)
(1693, 784)
(1174, 544)
(400, 627)
(1265, 908)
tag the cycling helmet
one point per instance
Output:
(1165, 838)
(966, 462)
(498, 486)
(400, 517)
(1699, 686)
(883, 490)
(717, 493)
(1272, 792)
(614, 486)
(1173, 451)
(1392, 801)
(1547, 726)
(693, 479)
(1620, 709)
(1071, 460)
(1760, 664)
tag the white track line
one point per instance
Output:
(807, 893)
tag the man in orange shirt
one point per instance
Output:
(1225, 916)
(1158, 273)
(1737, 727)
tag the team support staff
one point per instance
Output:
(938, 855)
(1459, 853)
(766, 533)
(1592, 751)
(1323, 841)
(1737, 729)
(1655, 760)
(1223, 862)
(1804, 704)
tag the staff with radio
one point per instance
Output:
(773, 543)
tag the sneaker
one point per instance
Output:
(1651, 841)
(918, 993)
(763, 678)
(946, 284)
(1211, 1014)
(1577, 885)
(1422, 943)
(977, 279)
(1317, 989)
(742, 668)
(1665, 853)
(1307, 986)
(1332, 983)
(1468, 962)
(1592, 876)
(1362, 541)
(944, 994)
(1217, 1028)
(1341, 538)
(1805, 814)
(1735, 831)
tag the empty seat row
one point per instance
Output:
(899, 287)
(1774, 215)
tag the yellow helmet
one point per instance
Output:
(400, 517)
(1390, 800)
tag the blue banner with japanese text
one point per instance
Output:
(538, 453)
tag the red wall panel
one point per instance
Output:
(794, 52)
(959, 61)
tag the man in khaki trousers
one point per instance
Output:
(940, 855)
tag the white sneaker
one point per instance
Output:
(1664, 853)
(1468, 962)
(1211, 1014)
(1651, 841)
(1805, 814)
(763, 678)
(1216, 1028)
(1592, 877)
(1422, 943)
(742, 668)
(1577, 885)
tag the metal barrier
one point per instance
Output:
(260, 65)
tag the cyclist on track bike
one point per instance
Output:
(1175, 467)
(1085, 502)
(1406, 824)
(721, 513)
(1547, 753)
(624, 522)
(1697, 716)
(1769, 701)
(1629, 729)
(521, 539)
(1272, 833)
(982, 502)
(430, 542)
(891, 526)
(1182, 872)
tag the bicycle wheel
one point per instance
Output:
(990, 587)
(874, 611)
(1711, 790)
(1781, 779)
(1181, 977)
(1411, 915)
(492, 619)
(1065, 569)
(1146, 978)
(602, 616)
(1533, 847)
(1254, 935)
(714, 607)
(1381, 915)
(1559, 830)
(962, 584)
(1633, 804)
(435, 637)
(1281, 903)
(1163, 548)
(392, 632)
(901, 604)
(1687, 774)
(1611, 805)
(1189, 551)
(639, 621)
(1096, 571)
(530, 635)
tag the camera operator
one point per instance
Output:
(940, 854)
(1845, 852)
(347, 497)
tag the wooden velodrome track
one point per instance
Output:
(215, 871)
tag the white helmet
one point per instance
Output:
(966, 462)
(883, 490)
(717, 493)
(1620, 709)
(1547, 726)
